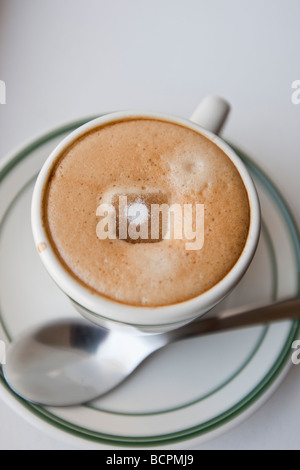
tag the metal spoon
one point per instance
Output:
(73, 362)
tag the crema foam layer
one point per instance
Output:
(152, 159)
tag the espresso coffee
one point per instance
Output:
(150, 162)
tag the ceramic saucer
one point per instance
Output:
(184, 395)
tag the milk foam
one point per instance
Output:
(152, 161)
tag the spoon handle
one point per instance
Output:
(239, 318)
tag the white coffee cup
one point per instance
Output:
(207, 120)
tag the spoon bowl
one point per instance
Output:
(72, 361)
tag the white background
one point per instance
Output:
(65, 59)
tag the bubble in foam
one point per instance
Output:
(190, 171)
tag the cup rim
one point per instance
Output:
(135, 315)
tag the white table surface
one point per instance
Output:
(62, 60)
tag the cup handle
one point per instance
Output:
(211, 113)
